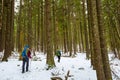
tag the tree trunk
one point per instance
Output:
(42, 28)
(69, 28)
(8, 14)
(38, 29)
(103, 44)
(19, 29)
(12, 25)
(30, 33)
(1, 20)
(80, 42)
(90, 33)
(54, 27)
(1, 14)
(50, 59)
(96, 44)
(75, 37)
(85, 31)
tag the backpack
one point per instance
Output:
(58, 53)
(24, 53)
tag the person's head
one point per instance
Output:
(30, 48)
(26, 46)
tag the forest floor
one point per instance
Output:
(79, 67)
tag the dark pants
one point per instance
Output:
(25, 61)
(58, 58)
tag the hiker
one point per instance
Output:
(26, 54)
(58, 54)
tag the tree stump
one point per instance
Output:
(56, 78)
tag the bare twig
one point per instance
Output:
(66, 77)
(116, 76)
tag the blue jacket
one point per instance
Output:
(24, 53)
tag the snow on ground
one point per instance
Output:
(78, 66)
(115, 68)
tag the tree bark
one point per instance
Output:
(1, 13)
(12, 25)
(50, 59)
(30, 33)
(103, 44)
(85, 31)
(90, 33)
(19, 29)
(7, 12)
(96, 44)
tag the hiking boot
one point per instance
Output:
(26, 70)
(23, 72)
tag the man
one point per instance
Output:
(26, 54)
(58, 54)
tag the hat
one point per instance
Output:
(26, 46)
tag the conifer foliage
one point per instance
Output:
(90, 26)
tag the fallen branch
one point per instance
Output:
(56, 78)
(66, 77)
(115, 74)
